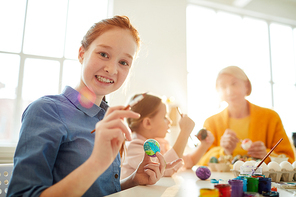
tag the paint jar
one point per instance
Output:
(271, 193)
(264, 185)
(236, 188)
(224, 190)
(251, 194)
(245, 181)
(206, 192)
(252, 185)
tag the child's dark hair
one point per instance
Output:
(147, 107)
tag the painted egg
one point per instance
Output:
(213, 160)
(151, 147)
(203, 172)
(246, 144)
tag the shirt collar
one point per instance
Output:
(138, 136)
(72, 95)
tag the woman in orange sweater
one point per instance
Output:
(243, 120)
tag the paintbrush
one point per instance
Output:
(132, 103)
(181, 114)
(267, 155)
(179, 111)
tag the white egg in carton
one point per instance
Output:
(285, 171)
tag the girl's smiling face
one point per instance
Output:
(107, 61)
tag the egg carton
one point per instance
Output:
(219, 167)
(288, 176)
(276, 176)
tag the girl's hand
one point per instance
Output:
(186, 124)
(257, 150)
(110, 133)
(228, 141)
(209, 140)
(149, 172)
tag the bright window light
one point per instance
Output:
(12, 25)
(45, 28)
(217, 39)
(71, 73)
(41, 77)
(47, 59)
(9, 77)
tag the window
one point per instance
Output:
(39, 44)
(264, 50)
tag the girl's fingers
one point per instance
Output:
(116, 123)
(152, 166)
(118, 113)
(113, 135)
(146, 159)
(174, 163)
(112, 109)
(154, 171)
(114, 119)
(152, 175)
(162, 162)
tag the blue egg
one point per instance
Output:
(151, 147)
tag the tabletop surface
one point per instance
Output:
(183, 183)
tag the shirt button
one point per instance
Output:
(116, 176)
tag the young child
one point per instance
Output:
(57, 155)
(154, 123)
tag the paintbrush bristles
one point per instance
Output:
(137, 99)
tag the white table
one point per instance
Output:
(181, 184)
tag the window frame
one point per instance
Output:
(260, 16)
(7, 148)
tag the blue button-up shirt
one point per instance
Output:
(55, 139)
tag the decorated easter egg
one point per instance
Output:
(202, 134)
(151, 147)
(246, 144)
(203, 172)
(213, 160)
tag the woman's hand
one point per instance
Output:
(228, 141)
(110, 133)
(149, 172)
(257, 150)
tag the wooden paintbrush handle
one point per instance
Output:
(268, 154)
